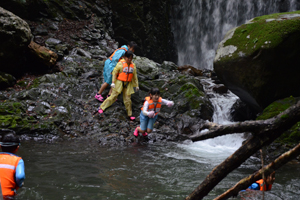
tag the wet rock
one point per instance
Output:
(259, 65)
(51, 42)
(190, 70)
(6, 80)
(15, 36)
(241, 111)
(40, 30)
(221, 89)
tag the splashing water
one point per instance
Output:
(217, 149)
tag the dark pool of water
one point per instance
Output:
(84, 170)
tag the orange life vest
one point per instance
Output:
(152, 106)
(8, 166)
(263, 186)
(110, 57)
(127, 72)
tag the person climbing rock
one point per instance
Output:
(124, 79)
(149, 111)
(109, 66)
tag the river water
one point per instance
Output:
(81, 169)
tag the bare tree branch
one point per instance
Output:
(265, 136)
(276, 164)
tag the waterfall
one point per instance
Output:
(199, 25)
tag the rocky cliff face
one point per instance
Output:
(146, 22)
(259, 61)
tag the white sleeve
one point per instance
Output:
(164, 101)
(145, 108)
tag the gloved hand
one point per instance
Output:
(170, 103)
(151, 114)
(112, 85)
(137, 88)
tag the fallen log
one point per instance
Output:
(276, 164)
(269, 130)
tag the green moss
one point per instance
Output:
(10, 108)
(291, 136)
(273, 16)
(35, 84)
(22, 83)
(276, 108)
(262, 34)
(284, 116)
(191, 90)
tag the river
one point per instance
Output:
(81, 169)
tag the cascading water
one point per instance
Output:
(199, 25)
(215, 150)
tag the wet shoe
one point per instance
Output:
(136, 132)
(131, 118)
(100, 110)
(145, 134)
(99, 97)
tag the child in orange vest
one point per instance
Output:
(263, 184)
(12, 169)
(150, 109)
(124, 79)
(109, 66)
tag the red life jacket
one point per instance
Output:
(152, 106)
(8, 166)
(110, 57)
(127, 72)
(263, 185)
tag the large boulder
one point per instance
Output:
(15, 35)
(259, 61)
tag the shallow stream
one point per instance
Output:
(82, 169)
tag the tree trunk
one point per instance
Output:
(267, 132)
(244, 183)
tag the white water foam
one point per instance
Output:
(217, 149)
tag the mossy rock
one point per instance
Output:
(258, 61)
(292, 136)
(6, 80)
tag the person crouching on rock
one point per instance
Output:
(109, 66)
(12, 169)
(124, 79)
(150, 109)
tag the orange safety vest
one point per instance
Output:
(127, 72)
(8, 166)
(110, 57)
(263, 186)
(152, 106)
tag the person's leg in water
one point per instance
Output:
(108, 102)
(128, 104)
